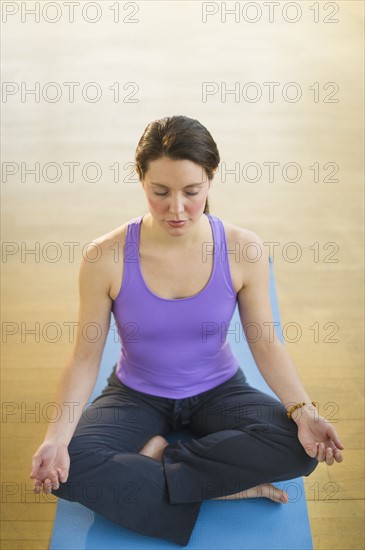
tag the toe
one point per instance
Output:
(276, 494)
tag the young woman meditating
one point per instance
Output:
(172, 279)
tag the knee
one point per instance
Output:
(76, 446)
(305, 464)
(79, 465)
(297, 457)
(310, 466)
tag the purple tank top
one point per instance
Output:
(175, 348)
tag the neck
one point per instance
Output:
(178, 242)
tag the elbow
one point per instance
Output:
(263, 348)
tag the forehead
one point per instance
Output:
(168, 171)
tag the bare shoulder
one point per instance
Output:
(111, 242)
(248, 254)
(235, 233)
(106, 253)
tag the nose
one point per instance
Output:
(177, 204)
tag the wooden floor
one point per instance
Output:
(168, 55)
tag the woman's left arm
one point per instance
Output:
(317, 436)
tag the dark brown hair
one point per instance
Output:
(177, 137)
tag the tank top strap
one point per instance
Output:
(222, 253)
(131, 253)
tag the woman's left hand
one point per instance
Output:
(319, 438)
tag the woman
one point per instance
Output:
(173, 296)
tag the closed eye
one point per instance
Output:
(164, 194)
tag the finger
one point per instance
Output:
(37, 486)
(334, 436)
(51, 483)
(34, 472)
(329, 456)
(337, 455)
(40, 471)
(62, 474)
(36, 462)
(55, 485)
(47, 486)
(53, 476)
(335, 451)
(321, 455)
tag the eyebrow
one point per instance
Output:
(190, 185)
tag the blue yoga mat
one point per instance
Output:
(245, 524)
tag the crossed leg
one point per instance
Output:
(155, 447)
(244, 442)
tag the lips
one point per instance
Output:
(175, 223)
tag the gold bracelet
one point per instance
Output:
(295, 407)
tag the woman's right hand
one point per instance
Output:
(50, 466)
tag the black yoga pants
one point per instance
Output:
(242, 437)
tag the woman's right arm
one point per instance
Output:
(51, 461)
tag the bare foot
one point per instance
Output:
(154, 447)
(267, 490)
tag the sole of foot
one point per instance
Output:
(154, 448)
(266, 490)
